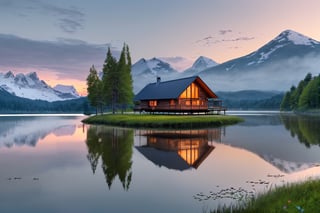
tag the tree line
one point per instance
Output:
(306, 96)
(114, 90)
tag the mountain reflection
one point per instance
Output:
(306, 128)
(114, 146)
(28, 131)
(180, 149)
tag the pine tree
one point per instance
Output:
(130, 81)
(110, 81)
(309, 98)
(94, 89)
(125, 81)
(117, 80)
(285, 104)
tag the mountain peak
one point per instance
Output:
(66, 89)
(31, 87)
(33, 76)
(9, 74)
(296, 38)
(204, 62)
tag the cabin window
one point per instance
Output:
(172, 102)
(192, 103)
(191, 92)
(153, 103)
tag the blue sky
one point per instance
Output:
(219, 29)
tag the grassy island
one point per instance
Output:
(163, 121)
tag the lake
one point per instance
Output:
(57, 164)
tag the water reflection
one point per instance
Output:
(306, 128)
(28, 131)
(179, 149)
(114, 146)
(270, 140)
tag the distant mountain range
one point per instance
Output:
(31, 87)
(274, 67)
(146, 71)
(278, 65)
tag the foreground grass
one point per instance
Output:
(162, 121)
(298, 197)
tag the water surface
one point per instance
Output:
(57, 164)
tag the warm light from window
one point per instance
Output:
(191, 92)
(152, 103)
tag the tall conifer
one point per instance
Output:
(110, 81)
(94, 89)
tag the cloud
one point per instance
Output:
(68, 19)
(221, 37)
(71, 19)
(223, 32)
(278, 75)
(238, 39)
(64, 58)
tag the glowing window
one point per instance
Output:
(152, 103)
(191, 92)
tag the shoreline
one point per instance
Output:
(163, 121)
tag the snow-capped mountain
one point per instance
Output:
(153, 66)
(278, 65)
(146, 71)
(201, 64)
(31, 87)
(66, 89)
(178, 63)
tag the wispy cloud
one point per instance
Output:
(222, 36)
(238, 39)
(71, 19)
(64, 58)
(68, 19)
(223, 32)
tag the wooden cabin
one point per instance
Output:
(186, 95)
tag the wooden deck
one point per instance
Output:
(182, 110)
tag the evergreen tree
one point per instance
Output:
(111, 81)
(286, 103)
(125, 81)
(305, 96)
(309, 98)
(94, 89)
(117, 80)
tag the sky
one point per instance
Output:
(60, 40)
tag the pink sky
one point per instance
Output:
(218, 29)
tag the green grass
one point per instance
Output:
(163, 121)
(298, 198)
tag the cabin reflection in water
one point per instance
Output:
(178, 149)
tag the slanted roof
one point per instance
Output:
(171, 89)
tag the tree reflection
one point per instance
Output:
(114, 146)
(306, 128)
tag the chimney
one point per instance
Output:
(158, 80)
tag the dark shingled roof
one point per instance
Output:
(169, 89)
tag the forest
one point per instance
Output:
(13, 104)
(304, 97)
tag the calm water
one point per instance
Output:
(57, 164)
